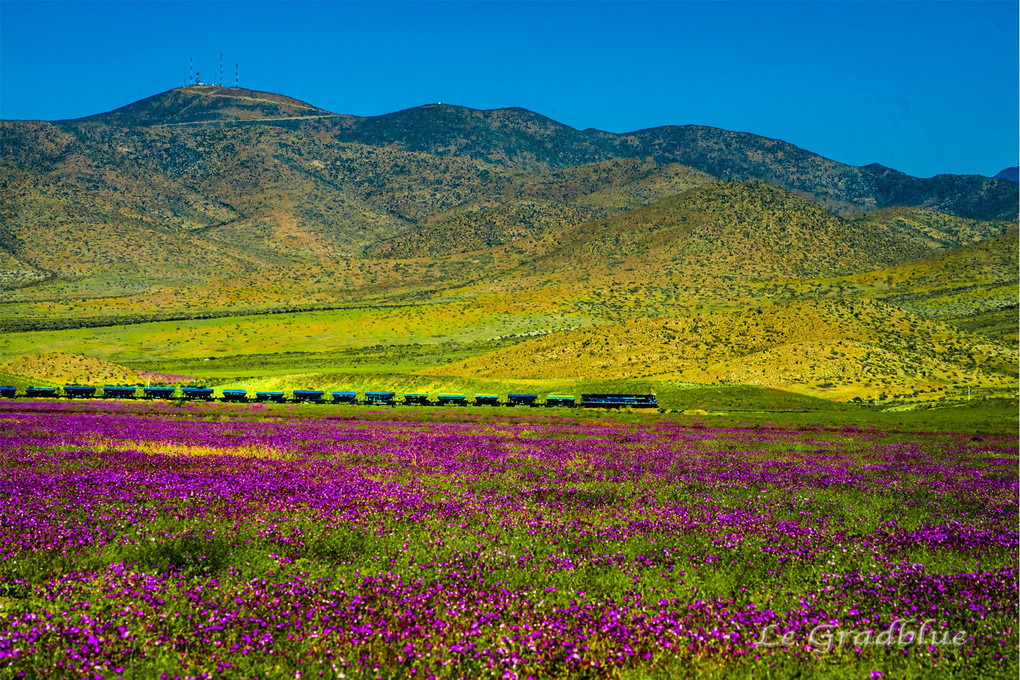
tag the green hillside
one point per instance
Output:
(834, 350)
(974, 287)
(8, 379)
(747, 230)
(527, 206)
(932, 229)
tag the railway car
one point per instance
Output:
(619, 401)
(554, 400)
(79, 391)
(522, 400)
(41, 392)
(486, 400)
(197, 393)
(159, 392)
(118, 392)
(612, 401)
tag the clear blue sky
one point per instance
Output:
(924, 87)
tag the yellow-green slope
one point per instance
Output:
(839, 350)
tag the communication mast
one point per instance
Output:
(194, 78)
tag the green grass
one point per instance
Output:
(994, 417)
(310, 332)
(21, 381)
(387, 359)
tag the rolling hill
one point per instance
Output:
(71, 369)
(838, 350)
(931, 229)
(973, 287)
(748, 230)
(529, 205)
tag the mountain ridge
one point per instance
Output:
(522, 140)
(1009, 174)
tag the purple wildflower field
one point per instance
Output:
(157, 541)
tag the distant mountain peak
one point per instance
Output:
(1010, 174)
(207, 104)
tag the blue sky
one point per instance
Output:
(923, 87)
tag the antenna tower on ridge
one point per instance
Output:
(237, 78)
(191, 71)
(221, 69)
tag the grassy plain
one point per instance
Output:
(309, 332)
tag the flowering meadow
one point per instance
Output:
(214, 541)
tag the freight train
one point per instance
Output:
(610, 401)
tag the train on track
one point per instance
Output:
(610, 401)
